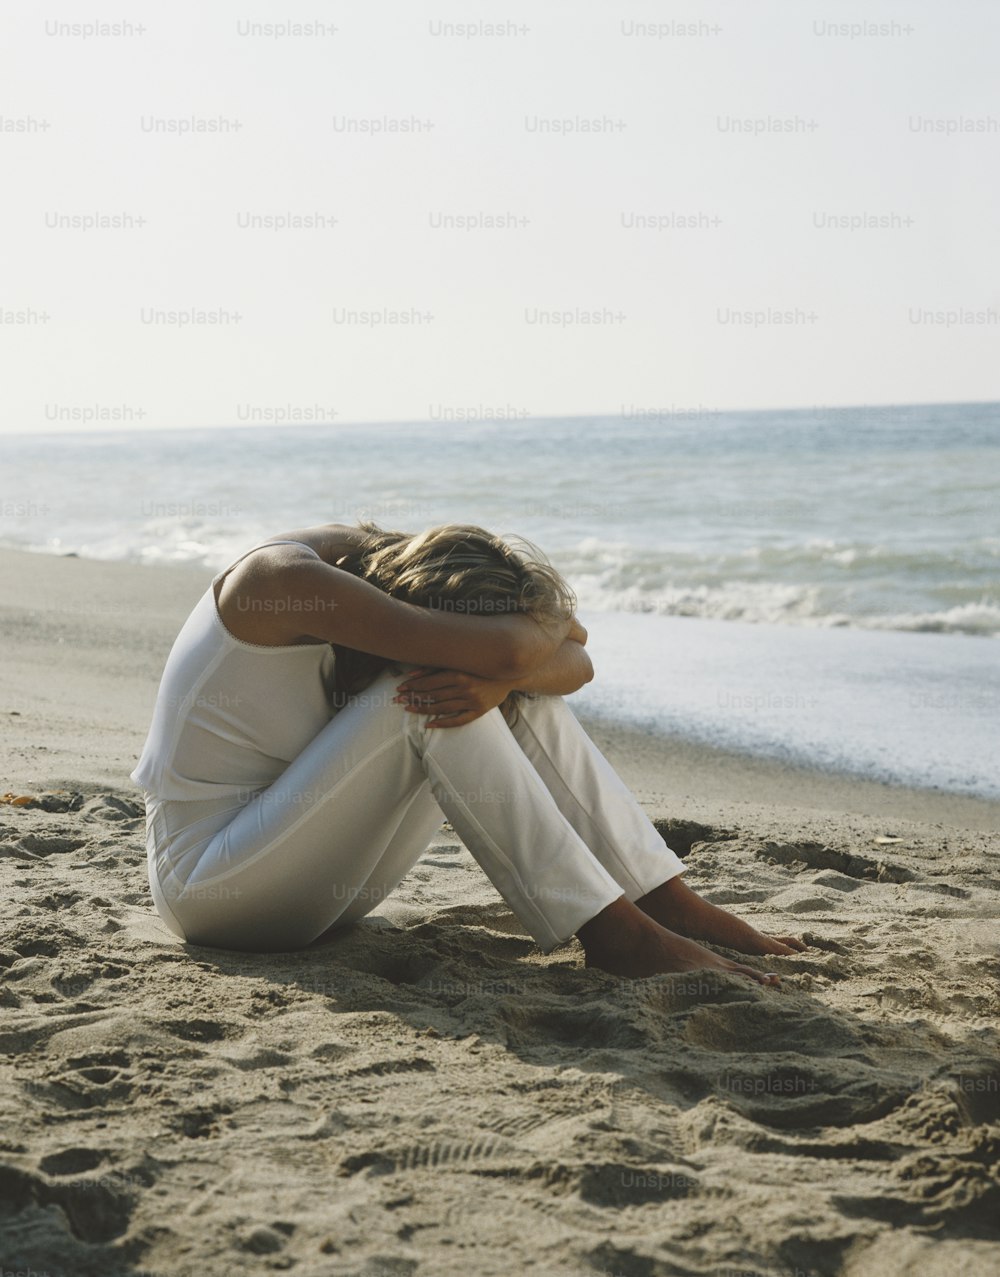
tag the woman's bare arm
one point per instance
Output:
(324, 602)
(452, 698)
(330, 540)
(565, 672)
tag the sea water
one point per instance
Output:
(815, 584)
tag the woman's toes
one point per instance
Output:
(760, 977)
(781, 945)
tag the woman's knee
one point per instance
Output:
(377, 695)
(538, 710)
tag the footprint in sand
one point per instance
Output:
(437, 1156)
(93, 1080)
(815, 856)
(199, 1030)
(595, 1025)
(96, 1209)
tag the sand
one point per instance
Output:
(429, 1093)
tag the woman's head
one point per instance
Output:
(462, 568)
(457, 567)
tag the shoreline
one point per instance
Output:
(85, 644)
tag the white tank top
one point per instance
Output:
(230, 716)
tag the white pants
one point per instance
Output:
(540, 808)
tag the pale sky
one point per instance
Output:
(782, 204)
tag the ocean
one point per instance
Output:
(820, 585)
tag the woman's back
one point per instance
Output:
(231, 715)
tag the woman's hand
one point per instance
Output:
(451, 696)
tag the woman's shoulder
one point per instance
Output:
(249, 593)
(328, 540)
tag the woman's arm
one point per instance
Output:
(565, 672)
(453, 697)
(324, 602)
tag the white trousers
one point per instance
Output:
(545, 815)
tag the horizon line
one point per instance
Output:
(680, 413)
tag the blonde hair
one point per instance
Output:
(458, 567)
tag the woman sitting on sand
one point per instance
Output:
(338, 691)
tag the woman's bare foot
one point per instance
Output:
(675, 906)
(625, 941)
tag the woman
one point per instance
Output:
(339, 690)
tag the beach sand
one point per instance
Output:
(429, 1093)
